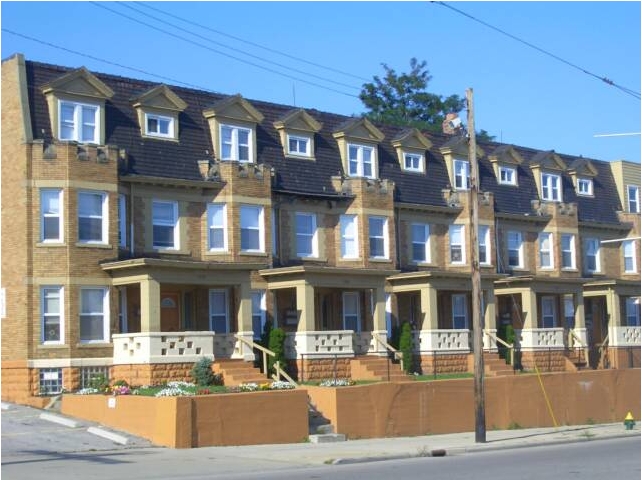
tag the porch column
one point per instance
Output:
(305, 307)
(490, 318)
(529, 304)
(614, 319)
(580, 318)
(150, 305)
(429, 311)
(244, 323)
(378, 321)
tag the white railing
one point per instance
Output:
(444, 340)
(161, 347)
(625, 336)
(362, 343)
(538, 338)
(318, 344)
(490, 340)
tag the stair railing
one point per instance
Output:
(509, 346)
(281, 373)
(265, 351)
(578, 340)
(395, 353)
(603, 352)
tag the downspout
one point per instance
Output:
(131, 219)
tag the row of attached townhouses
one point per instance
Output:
(145, 226)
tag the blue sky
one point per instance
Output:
(522, 96)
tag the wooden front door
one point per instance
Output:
(170, 312)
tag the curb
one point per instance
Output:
(60, 420)
(114, 437)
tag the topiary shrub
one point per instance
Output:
(202, 373)
(277, 345)
(405, 346)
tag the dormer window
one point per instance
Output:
(413, 162)
(159, 126)
(461, 169)
(551, 187)
(584, 186)
(158, 111)
(79, 122)
(360, 161)
(236, 143)
(507, 175)
(299, 145)
(358, 140)
(411, 146)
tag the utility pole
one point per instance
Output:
(478, 346)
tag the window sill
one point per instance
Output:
(379, 260)
(569, 269)
(350, 259)
(312, 259)
(51, 346)
(167, 251)
(253, 254)
(96, 344)
(294, 156)
(422, 264)
(416, 172)
(215, 253)
(159, 137)
(52, 244)
(631, 273)
(105, 246)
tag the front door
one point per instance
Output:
(596, 320)
(170, 316)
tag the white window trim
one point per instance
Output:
(60, 314)
(260, 228)
(421, 162)
(351, 219)
(358, 312)
(426, 244)
(235, 143)
(210, 208)
(170, 127)
(77, 125)
(60, 238)
(458, 164)
(483, 238)
(175, 225)
(465, 315)
(462, 228)
(360, 161)
(540, 238)
(314, 243)
(262, 312)
(554, 322)
(573, 265)
(513, 175)
(549, 180)
(299, 138)
(104, 218)
(598, 266)
(227, 308)
(384, 237)
(122, 220)
(105, 312)
(589, 187)
(636, 200)
(632, 303)
(633, 245)
(520, 249)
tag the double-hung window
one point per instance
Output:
(456, 234)
(515, 250)
(52, 314)
(459, 311)
(351, 311)
(236, 143)
(252, 229)
(633, 193)
(462, 174)
(122, 221)
(218, 311)
(51, 215)
(569, 311)
(258, 313)
(165, 224)
(507, 176)
(79, 122)
(592, 255)
(217, 227)
(584, 186)
(632, 305)
(549, 312)
(545, 241)
(413, 162)
(306, 235)
(484, 244)
(378, 236)
(568, 251)
(420, 233)
(298, 145)
(628, 248)
(159, 126)
(349, 236)
(551, 187)
(94, 314)
(361, 161)
(92, 217)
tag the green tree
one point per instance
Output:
(402, 99)
(405, 346)
(277, 345)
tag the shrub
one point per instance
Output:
(202, 373)
(99, 382)
(405, 346)
(277, 345)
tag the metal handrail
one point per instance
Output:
(396, 353)
(602, 350)
(264, 351)
(577, 339)
(511, 347)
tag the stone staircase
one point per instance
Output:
(370, 367)
(495, 366)
(576, 360)
(236, 371)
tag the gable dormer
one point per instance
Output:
(158, 111)
(358, 140)
(455, 152)
(505, 161)
(582, 173)
(296, 129)
(76, 104)
(548, 168)
(411, 147)
(233, 123)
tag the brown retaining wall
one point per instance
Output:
(420, 408)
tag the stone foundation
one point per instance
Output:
(320, 368)
(625, 357)
(152, 374)
(546, 361)
(444, 363)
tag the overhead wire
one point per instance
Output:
(606, 80)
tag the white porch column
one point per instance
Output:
(378, 321)
(244, 323)
(529, 305)
(613, 309)
(150, 305)
(580, 318)
(305, 307)
(429, 311)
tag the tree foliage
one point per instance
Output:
(403, 100)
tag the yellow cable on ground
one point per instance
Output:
(548, 403)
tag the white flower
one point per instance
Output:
(173, 392)
(280, 385)
(339, 382)
(248, 387)
(87, 391)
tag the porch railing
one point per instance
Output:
(265, 351)
(509, 346)
(396, 354)
(603, 352)
(576, 339)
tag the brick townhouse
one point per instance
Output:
(145, 226)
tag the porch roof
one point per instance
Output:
(427, 274)
(134, 263)
(510, 281)
(317, 275)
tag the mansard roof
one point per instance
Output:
(152, 157)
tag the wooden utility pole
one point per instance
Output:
(478, 345)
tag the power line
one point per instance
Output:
(222, 53)
(606, 80)
(263, 47)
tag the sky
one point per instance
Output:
(535, 68)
